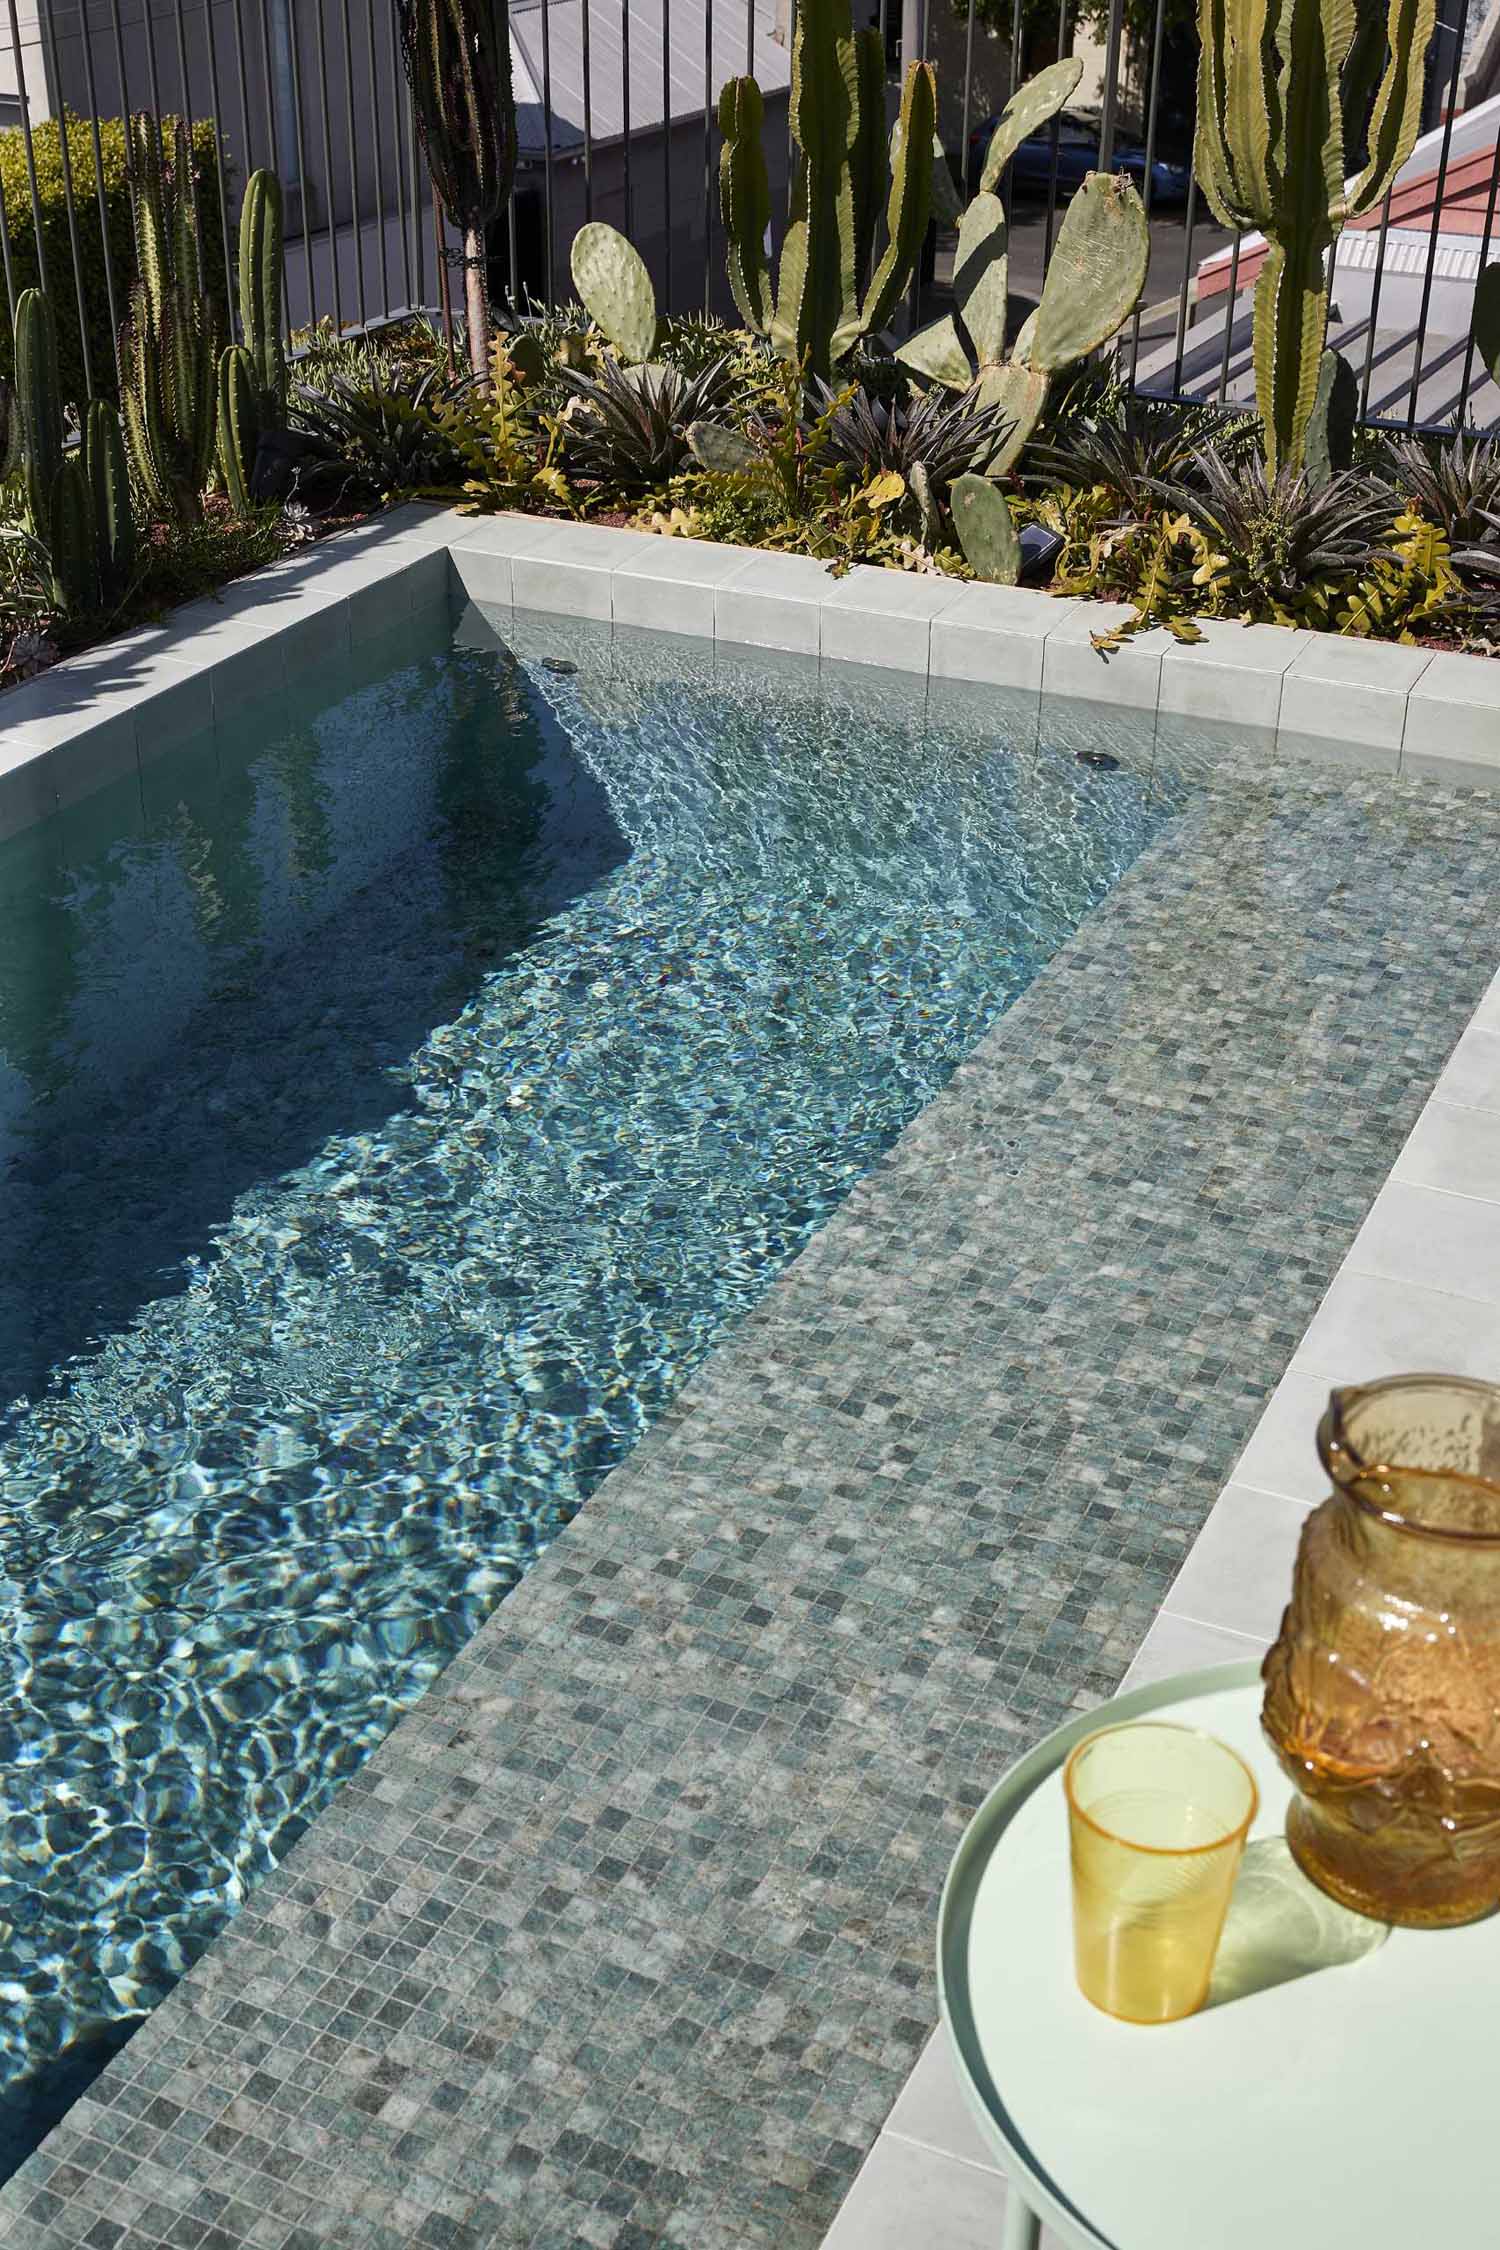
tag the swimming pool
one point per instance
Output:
(395, 1106)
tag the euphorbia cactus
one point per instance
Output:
(1487, 319)
(167, 344)
(822, 304)
(1097, 272)
(457, 55)
(250, 387)
(1282, 90)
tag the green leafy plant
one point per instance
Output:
(389, 435)
(457, 56)
(1130, 446)
(168, 343)
(1095, 276)
(1454, 483)
(627, 427)
(1284, 87)
(1275, 537)
(823, 302)
(927, 441)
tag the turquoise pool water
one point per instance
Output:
(398, 1097)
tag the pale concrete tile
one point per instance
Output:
(1181, 1644)
(1128, 679)
(481, 555)
(1453, 721)
(572, 572)
(1232, 674)
(776, 601)
(669, 586)
(995, 634)
(28, 780)
(1239, 1573)
(1471, 1075)
(905, 2196)
(1454, 1149)
(1366, 1327)
(1344, 701)
(1446, 1242)
(1487, 1014)
(1282, 1454)
(884, 617)
(932, 2110)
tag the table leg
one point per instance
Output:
(1023, 2229)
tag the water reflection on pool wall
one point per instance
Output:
(399, 1105)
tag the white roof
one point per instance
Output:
(742, 41)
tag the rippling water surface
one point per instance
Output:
(393, 1111)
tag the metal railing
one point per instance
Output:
(616, 102)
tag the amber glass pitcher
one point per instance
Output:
(1383, 1688)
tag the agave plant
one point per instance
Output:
(1277, 529)
(1455, 485)
(943, 436)
(1484, 562)
(384, 429)
(1129, 446)
(627, 426)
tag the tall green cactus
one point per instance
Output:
(38, 406)
(73, 553)
(822, 303)
(238, 423)
(457, 55)
(1487, 319)
(1096, 273)
(1282, 89)
(167, 343)
(261, 263)
(108, 476)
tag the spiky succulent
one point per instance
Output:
(1483, 562)
(1129, 446)
(1455, 484)
(945, 436)
(385, 429)
(1278, 530)
(627, 426)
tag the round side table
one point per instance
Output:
(1348, 2109)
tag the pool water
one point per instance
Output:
(397, 1101)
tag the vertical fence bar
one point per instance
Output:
(588, 112)
(64, 139)
(101, 198)
(1234, 290)
(547, 152)
(185, 85)
(327, 138)
(1484, 259)
(1379, 275)
(418, 252)
(1437, 210)
(5, 260)
(963, 130)
(385, 264)
(625, 7)
(708, 156)
(1112, 44)
(31, 180)
(666, 144)
(244, 78)
(1015, 47)
(1055, 129)
(153, 76)
(355, 219)
(213, 95)
(299, 137)
(1153, 91)
(398, 79)
(1188, 217)
(114, 9)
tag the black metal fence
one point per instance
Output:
(616, 102)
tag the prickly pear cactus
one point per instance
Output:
(1097, 272)
(611, 279)
(985, 530)
(981, 276)
(723, 451)
(1030, 108)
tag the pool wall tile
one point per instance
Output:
(775, 602)
(995, 634)
(1233, 674)
(670, 586)
(1127, 678)
(883, 618)
(1452, 728)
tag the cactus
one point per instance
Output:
(72, 549)
(108, 476)
(238, 423)
(39, 407)
(611, 279)
(1334, 420)
(1030, 108)
(1487, 319)
(11, 456)
(457, 56)
(167, 343)
(985, 531)
(822, 303)
(1097, 271)
(1278, 124)
(261, 292)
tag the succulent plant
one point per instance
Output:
(108, 473)
(823, 304)
(1030, 108)
(167, 354)
(238, 425)
(1276, 528)
(942, 437)
(1096, 274)
(384, 431)
(1334, 420)
(39, 412)
(610, 276)
(628, 426)
(1129, 445)
(982, 519)
(1283, 89)
(457, 55)
(1487, 319)
(261, 266)
(1454, 483)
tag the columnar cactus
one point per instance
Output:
(1487, 319)
(822, 305)
(457, 55)
(1274, 151)
(38, 406)
(238, 422)
(167, 343)
(261, 290)
(1096, 274)
(108, 474)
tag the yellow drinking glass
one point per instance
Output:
(1157, 1818)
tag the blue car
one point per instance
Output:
(1077, 156)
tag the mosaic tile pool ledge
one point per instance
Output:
(623, 1936)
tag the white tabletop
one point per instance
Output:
(1357, 2108)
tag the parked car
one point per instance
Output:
(1077, 156)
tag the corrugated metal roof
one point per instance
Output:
(742, 41)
